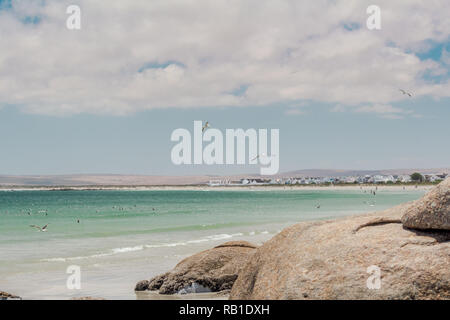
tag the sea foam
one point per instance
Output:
(114, 251)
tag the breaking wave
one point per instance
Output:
(116, 251)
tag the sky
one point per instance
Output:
(106, 98)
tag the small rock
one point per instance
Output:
(8, 296)
(142, 285)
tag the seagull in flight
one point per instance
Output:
(405, 92)
(43, 229)
(261, 155)
(205, 126)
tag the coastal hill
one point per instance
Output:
(149, 180)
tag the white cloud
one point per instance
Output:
(199, 52)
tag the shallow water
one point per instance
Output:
(126, 236)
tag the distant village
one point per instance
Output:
(363, 179)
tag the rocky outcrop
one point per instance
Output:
(211, 270)
(340, 259)
(432, 211)
(8, 296)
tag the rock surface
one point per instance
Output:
(432, 211)
(8, 296)
(330, 260)
(210, 270)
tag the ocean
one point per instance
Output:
(119, 237)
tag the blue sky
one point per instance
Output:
(106, 98)
(140, 143)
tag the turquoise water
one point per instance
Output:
(120, 237)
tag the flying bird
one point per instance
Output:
(261, 155)
(405, 92)
(205, 126)
(43, 229)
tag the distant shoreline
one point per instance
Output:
(350, 187)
